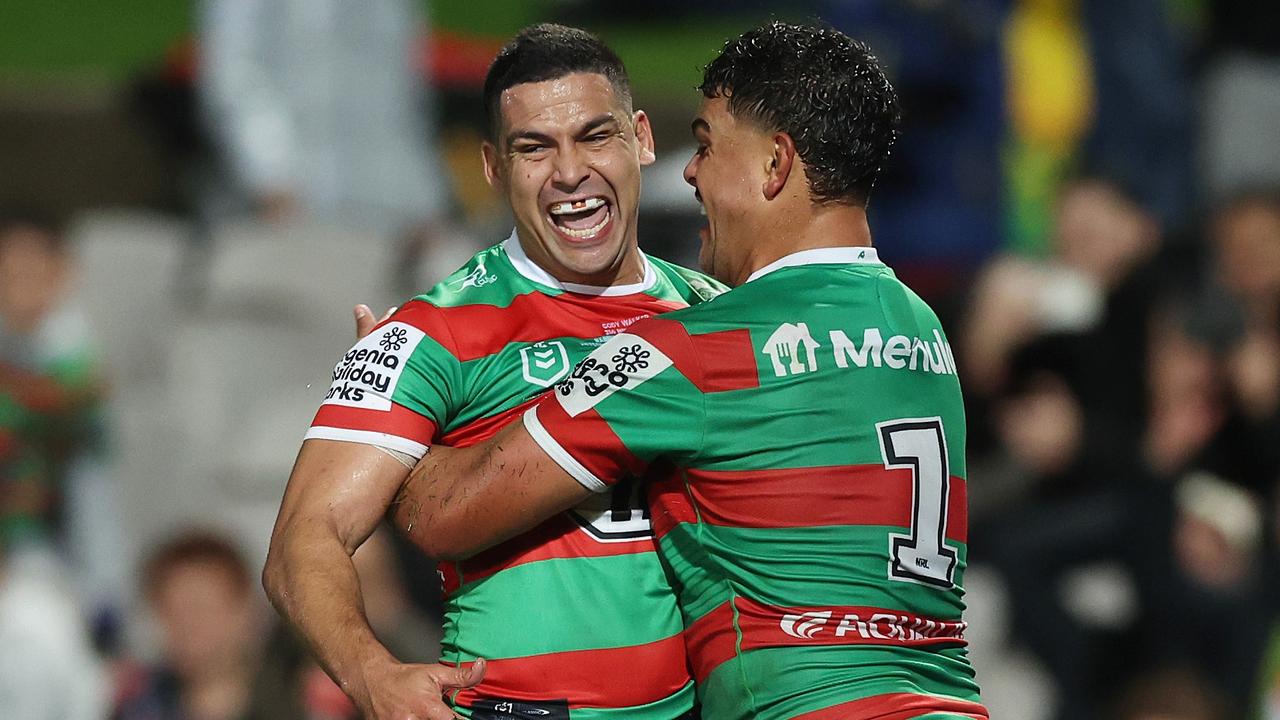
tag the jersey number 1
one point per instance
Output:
(918, 444)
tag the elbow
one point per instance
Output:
(274, 575)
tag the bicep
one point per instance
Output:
(344, 487)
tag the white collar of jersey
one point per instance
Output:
(821, 256)
(531, 270)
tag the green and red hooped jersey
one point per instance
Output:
(812, 509)
(576, 617)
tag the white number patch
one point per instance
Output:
(921, 556)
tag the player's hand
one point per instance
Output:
(365, 322)
(403, 691)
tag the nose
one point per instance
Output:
(570, 171)
(691, 171)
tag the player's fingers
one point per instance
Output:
(387, 314)
(463, 677)
(364, 320)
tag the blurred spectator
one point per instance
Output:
(1054, 354)
(317, 110)
(1247, 238)
(938, 202)
(1142, 111)
(216, 663)
(201, 596)
(1170, 695)
(1089, 288)
(49, 390)
(1240, 137)
(48, 670)
(53, 488)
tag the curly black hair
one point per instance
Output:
(821, 87)
(547, 51)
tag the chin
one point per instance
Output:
(591, 262)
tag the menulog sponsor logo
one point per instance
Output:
(366, 377)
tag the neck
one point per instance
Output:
(815, 226)
(220, 694)
(627, 270)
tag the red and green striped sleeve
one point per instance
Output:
(625, 404)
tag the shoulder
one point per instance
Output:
(488, 278)
(694, 286)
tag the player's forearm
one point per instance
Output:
(434, 506)
(458, 502)
(311, 580)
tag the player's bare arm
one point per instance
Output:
(336, 496)
(460, 501)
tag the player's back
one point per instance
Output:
(818, 533)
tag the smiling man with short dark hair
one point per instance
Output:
(576, 617)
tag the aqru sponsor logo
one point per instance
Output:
(804, 625)
(869, 627)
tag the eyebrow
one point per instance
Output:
(592, 124)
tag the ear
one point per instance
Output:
(781, 162)
(492, 164)
(644, 136)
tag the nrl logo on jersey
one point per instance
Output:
(544, 363)
(476, 278)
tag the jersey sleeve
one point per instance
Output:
(394, 387)
(631, 401)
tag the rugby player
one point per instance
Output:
(575, 617)
(803, 434)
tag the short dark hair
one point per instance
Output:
(545, 52)
(195, 547)
(821, 87)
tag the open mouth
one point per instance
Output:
(581, 220)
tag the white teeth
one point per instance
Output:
(587, 233)
(564, 208)
(702, 210)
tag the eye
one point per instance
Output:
(597, 138)
(528, 148)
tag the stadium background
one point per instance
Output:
(1085, 190)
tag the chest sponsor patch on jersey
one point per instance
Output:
(366, 377)
(625, 361)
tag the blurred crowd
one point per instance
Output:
(1088, 191)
